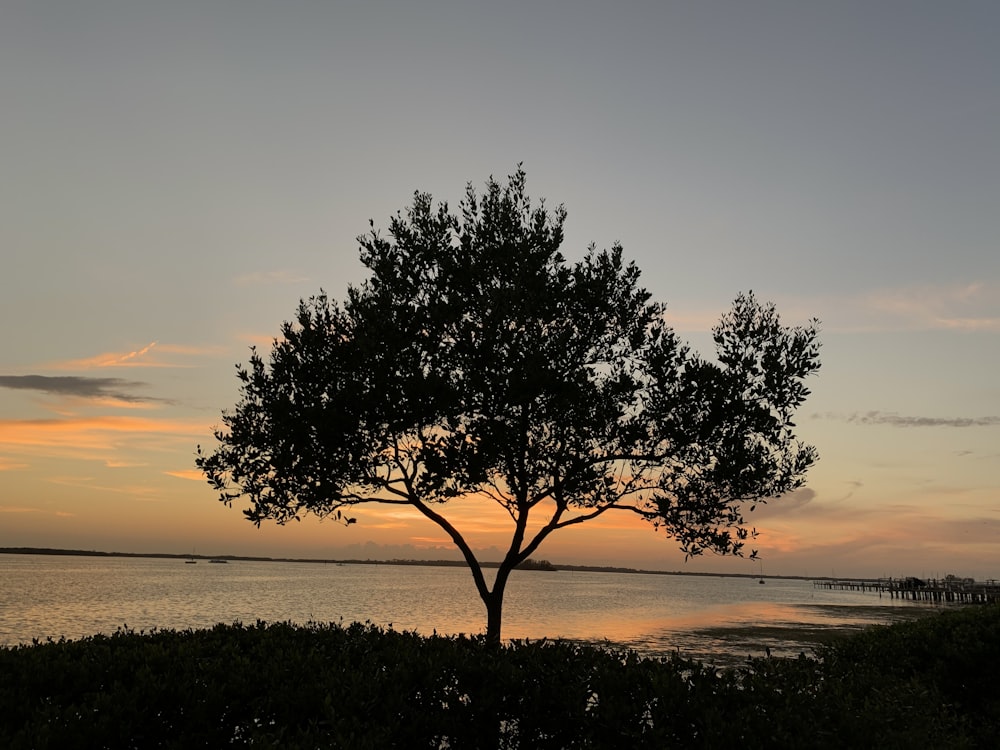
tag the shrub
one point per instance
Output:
(925, 683)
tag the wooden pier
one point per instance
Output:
(947, 590)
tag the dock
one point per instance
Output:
(946, 590)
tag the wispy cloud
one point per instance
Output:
(111, 359)
(692, 322)
(7, 464)
(783, 505)
(794, 311)
(128, 358)
(260, 341)
(103, 439)
(967, 307)
(881, 540)
(892, 419)
(972, 307)
(431, 541)
(42, 511)
(78, 387)
(191, 474)
(136, 491)
(153, 354)
(259, 278)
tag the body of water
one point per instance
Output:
(721, 619)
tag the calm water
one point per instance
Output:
(720, 619)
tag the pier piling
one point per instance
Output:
(950, 590)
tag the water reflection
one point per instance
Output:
(721, 620)
(711, 618)
(728, 635)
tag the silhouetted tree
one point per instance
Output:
(477, 362)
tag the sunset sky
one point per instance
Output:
(177, 175)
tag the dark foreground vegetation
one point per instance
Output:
(925, 683)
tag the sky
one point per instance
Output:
(178, 175)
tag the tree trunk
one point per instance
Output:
(494, 617)
(494, 604)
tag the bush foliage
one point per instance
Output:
(926, 683)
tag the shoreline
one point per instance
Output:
(426, 563)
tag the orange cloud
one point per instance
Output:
(262, 342)
(880, 538)
(113, 403)
(97, 438)
(16, 509)
(109, 359)
(431, 541)
(192, 474)
(137, 491)
(154, 354)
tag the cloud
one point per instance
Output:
(7, 464)
(793, 312)
(897, 420)
(692, 322)
(886, 534)
(153, 354)
(192, 474)
(111, 359)
(258, 278)
(854, 485)
(78, 387)
(972, 307)
(98, 438)
(126, 358)
(783, 505)
(431, 541)
(139, 492)
(16, 509)
(968, 307)
(261, 342)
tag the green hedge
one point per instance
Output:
(927, 683)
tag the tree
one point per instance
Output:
(476, 361)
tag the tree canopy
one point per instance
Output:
(477, 361)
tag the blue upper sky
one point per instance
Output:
(176, 175)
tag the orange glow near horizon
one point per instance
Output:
(101, 473)
(146, 515)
